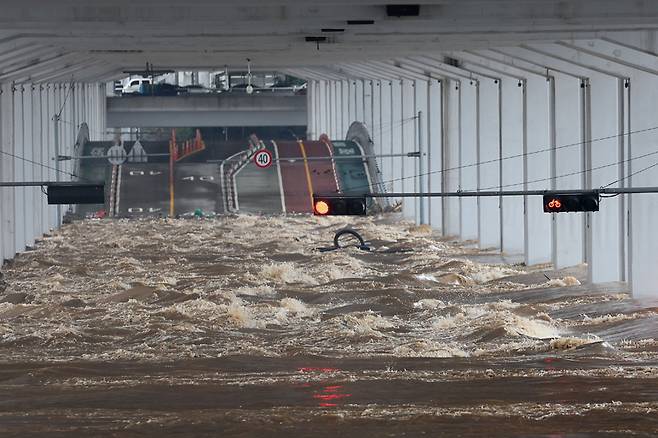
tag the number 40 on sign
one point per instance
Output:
(263, 158)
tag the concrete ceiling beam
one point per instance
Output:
(529, 55)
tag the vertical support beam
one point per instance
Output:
(451, 179)
(19, 169)
(50, 114)
(7, 205)
(421, 100)
(567, 143)
(488, 158)
(468, 159)
(367, 104)
(28, 167)
(335, 112)
(311, 129)
(351, 107)
(396, 135)
(322, 108)
(44, 141)
(538, 230)
(513, 104)
(408, 138)
(434, 148)
(359, 101)
(344, 108)
(606, 259)
(385, 130)
(374, 129)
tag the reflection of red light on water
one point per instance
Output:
(329, 394)
(332, 388)
(327, 397)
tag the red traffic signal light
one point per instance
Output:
(588, 201)
(339, 205)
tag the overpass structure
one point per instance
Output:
(225, 110)
(553, 94)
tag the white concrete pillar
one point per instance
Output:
(512, 123)
(409, 133)
(607, 258)
(311, 97)
(344, 108)
(396, 136)
(488, 158)
(323, 108)
(568, 142)
(334, 112)
(537, 165)
(29, 167)
(50, 114)
(385, 130)
(374, 129)
(434, 149)
(468, 158)
(359, 101)
(19, 169)
(452, 102)
(367, 104)
(44, 140)
(421, 165)
(7, 204)
(102, 104)
(351, 103)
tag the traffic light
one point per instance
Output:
(339, 205)
(74, 193)
(588, 201)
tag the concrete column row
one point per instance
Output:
(31, 138)
(554, 116)
(390, 109)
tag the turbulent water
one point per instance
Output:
(240, 326)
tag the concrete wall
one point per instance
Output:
(31, 138)
(225, 109)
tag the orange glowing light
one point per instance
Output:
(555, 203)
(321, 207)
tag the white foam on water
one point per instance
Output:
(242, 316)
(485, 273)
(570, 343)
(256, 291)
(561, 282)
(427, 277)
(429, 303)
(425, 348)
(286, 273)
(366, 324)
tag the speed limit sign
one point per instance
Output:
(263, 158)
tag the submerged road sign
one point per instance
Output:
(263, 158)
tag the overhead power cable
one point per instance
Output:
(45, 166)
(66, 98)
(579, 172)
(632, 174)
(510, 157)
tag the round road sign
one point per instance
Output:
(263, 158)
(116, 155)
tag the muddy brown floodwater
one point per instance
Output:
(239, 326)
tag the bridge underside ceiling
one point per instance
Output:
(46, 41)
